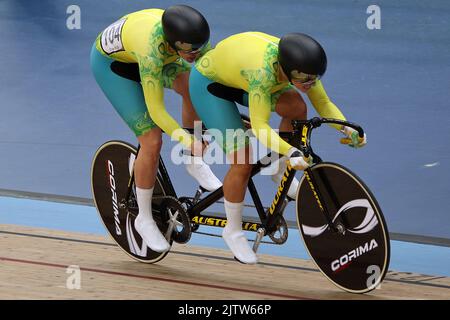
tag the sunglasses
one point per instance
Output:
(303, 78)
(188, 48)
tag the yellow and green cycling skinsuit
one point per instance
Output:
(247, 61)
(138, 38)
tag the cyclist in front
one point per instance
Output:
(156, 45)
(259, 71)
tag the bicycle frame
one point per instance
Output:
(269, 218)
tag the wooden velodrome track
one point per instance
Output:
(34, 263)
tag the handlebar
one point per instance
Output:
(310, 124)
(305, 127)
(317, 122)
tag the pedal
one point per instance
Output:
(259, 235)
(198, 194)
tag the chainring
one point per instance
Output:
(188, 202)
(280, 235)
(174, 215)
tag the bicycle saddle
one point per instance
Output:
(128, 71)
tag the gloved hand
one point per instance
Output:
(353, 140)
(297, 160)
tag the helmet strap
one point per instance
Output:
(172, 47)
(282, 74)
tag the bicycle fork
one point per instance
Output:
(336, 227)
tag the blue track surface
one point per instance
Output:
(394, 81)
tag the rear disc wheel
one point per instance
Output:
(110, 174)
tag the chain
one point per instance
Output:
(219, 236)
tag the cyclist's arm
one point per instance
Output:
(204, 50)
(323, 105)
(260, 111)
(152, 84)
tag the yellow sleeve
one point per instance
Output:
(260, 110)
(152, 85)
(323, 105)
(154, 99)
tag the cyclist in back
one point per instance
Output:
(157, 45)
(259, 71)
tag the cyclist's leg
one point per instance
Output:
(176, 77)
(125, 95)
(236, 179)
(145, 169)
(188, 114)
(127, 98)
(223, 115)
(234, 188)
(288, 104)
(146, 164)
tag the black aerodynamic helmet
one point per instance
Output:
(299, 54)
(185, 28)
